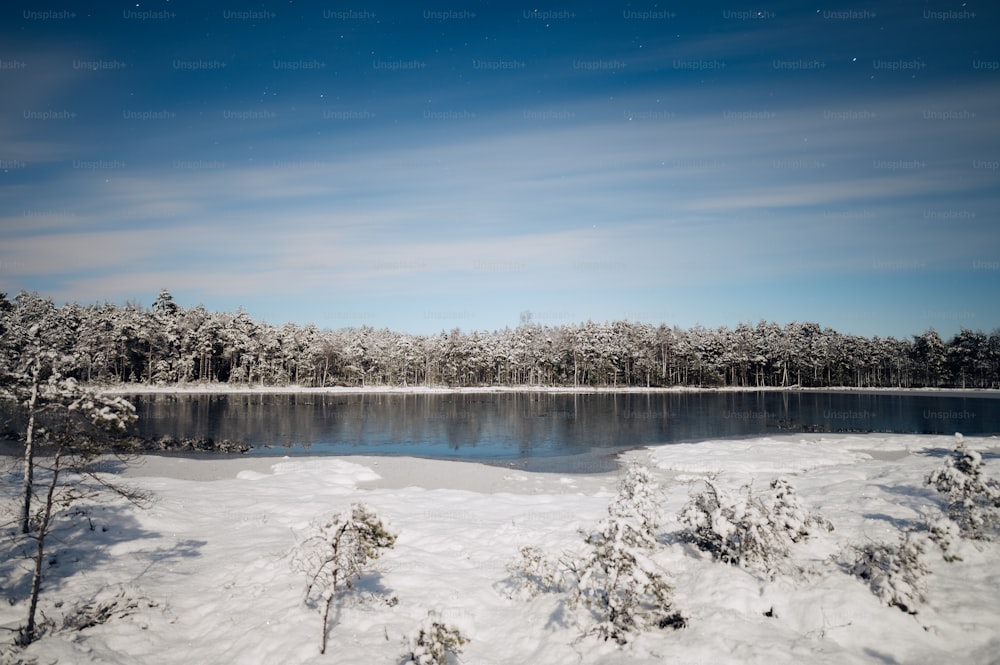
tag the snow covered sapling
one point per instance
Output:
(336, 552)
(432, 643)
(618, 585)
(894, 572)
(615, 586)
(973, 500)
(789, 515)
(76, 426)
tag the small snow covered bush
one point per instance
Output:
(620, 587)
(735, 528)
(972, 499)
(946, 535)
(615, 587)
(532, 573)
(336, 551)
(790, 516)
(742, 530)
(432, 643)
(108, 605)
(638, 501)
(894, 572)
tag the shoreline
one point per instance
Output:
(226, 389)
(516, 476)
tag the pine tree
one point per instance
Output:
(618, 584)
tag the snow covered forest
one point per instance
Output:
(170, 344)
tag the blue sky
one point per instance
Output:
(425, 166)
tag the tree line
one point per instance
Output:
(170, 344)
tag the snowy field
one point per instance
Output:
(208, 564)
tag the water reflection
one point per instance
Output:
(520, 425)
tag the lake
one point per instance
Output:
(543, 431)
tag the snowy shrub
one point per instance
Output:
(972, 499)
(740, 529)
(98, 611)
(894, 572)
(789, 515)
(106, 606)
(432, 643)
(336, 552)
(946, 534)
(638, 501)
(615, 587)
(737, 529)
(532, 573)
(618, 584)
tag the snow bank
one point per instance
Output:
(796, 453)
(766, 456)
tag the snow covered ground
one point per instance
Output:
(208, 561)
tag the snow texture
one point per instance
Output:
(205, 580)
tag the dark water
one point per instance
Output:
(540, 430)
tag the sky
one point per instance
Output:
(449, 164)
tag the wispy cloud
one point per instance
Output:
(603, 196)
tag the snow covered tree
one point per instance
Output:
(167, 343)
(894, 572)
(929, 354)
(973, 500)
(24, 385)
(638, 501)
(432, 643)
(75, 425)
(336, 552)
